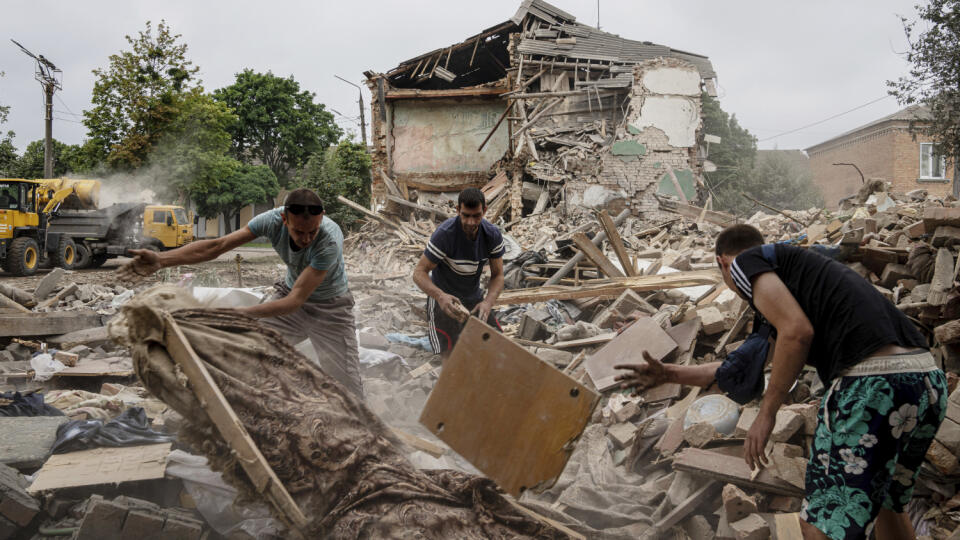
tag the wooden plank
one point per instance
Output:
(55, 299)
(609, 287)
(613, 236)
(510, 414)
(47, 324)
(645, 334)
(593, 254)
(420, 207)
(99, 466)
(570, 264)
(732, 470)
(407, 93)
(694, 212)
(420, 443)
(679, 189)
(399, 230)
(8, 302)
(229, 426)
(391, 185)
(687, 506)
(87, 336)
(584, 342)
(574, 535)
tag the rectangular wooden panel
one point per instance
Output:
(510, 414)
(627, 348)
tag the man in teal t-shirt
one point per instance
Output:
(313, 302)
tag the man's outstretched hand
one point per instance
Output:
(642, 376)
(145, 262)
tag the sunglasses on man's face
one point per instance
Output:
(297, 209)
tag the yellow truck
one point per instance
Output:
(57, 221)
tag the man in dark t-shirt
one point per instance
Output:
(450, 268)
(885, 396)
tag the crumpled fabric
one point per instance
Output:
(131, 428)
(83, 405)
(609, 502)
(29, 404)
(338, 461)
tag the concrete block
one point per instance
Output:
(25, 441)
(752, 527)
(942, 458)
(103, 519)
(712, 320)
(786, 425)
(622, 434)
(142, 525)
(809, 413)
(557, 357)
(698, 435)
(949, 435)
(934, 217)
(15, 503)
(946, 236)
(893, 272)
(915, 230)
(736, 503)
(177, 529)
(49, 283)
(747, 416)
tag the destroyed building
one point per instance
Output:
(557, 111)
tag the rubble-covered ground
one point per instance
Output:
(646, 466)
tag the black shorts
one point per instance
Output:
(444, 330)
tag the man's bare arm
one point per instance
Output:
(494, 288)
(447, 302)
(794, 336)
(146, 262)
(309, 280)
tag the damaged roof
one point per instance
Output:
(548, 33)
(593, 44)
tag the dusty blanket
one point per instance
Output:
(335, 457)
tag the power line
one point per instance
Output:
(70, 111)
(824, 120)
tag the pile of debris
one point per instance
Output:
(587, 293)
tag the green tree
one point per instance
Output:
(4, 109)
(30, 164)
(8, 152)
(8, 156)
(280, 125)
(249, 184)
(134, 97)
(339, 170)
(781, 183)
(734, 157)
(934, 77)
(191, 158)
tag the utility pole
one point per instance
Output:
(49, 77)
(363, 122)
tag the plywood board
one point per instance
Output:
(510, 414)
(102, 466)
(627, 348)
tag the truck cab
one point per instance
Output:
(170, 225)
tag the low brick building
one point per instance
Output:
(887, 148)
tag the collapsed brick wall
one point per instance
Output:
(630, 174)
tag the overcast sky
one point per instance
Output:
(780, 65)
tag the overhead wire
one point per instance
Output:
(825, 119)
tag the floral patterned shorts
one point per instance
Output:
(867, 454)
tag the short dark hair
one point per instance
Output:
(471, 198)
(304, 196)
(738, 238)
